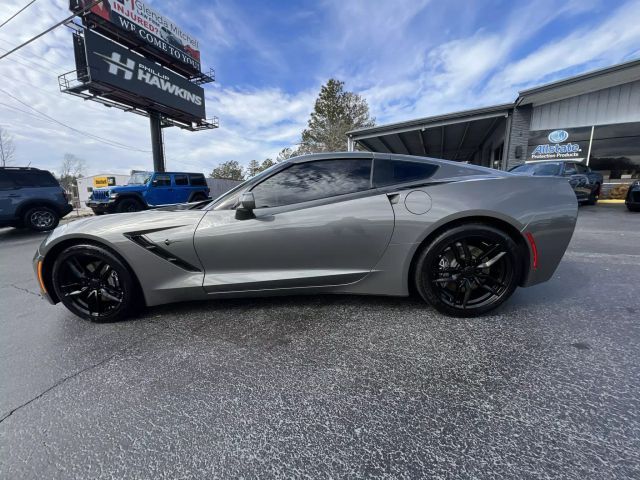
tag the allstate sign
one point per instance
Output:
(558, 136)
(555, 144)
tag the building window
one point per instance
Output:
(615, 151)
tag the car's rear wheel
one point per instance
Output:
(468, 270)
(94, 283)
(41, 219)
(198, 197)
(127, 205)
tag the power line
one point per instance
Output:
(17, 13)
(90, 135)
(62, 22)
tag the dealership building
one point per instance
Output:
(593, 118)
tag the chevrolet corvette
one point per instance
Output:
(461, 237)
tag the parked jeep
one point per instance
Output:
(585, 182)
(148, 189)
(32, 198)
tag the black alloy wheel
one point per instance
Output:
(128, 205)
(469, 270)
(94, 284)
(41, 219)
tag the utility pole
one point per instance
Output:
(157, 147)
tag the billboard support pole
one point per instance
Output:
(156, 141)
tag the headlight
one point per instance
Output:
(636, 183)
(113, 194)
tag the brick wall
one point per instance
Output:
(520, 123)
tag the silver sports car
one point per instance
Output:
(462, 237)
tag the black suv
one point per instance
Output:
(31, 198)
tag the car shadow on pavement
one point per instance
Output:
(19, 233)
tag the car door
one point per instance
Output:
(316, 224)
(579, 182)
(182, 190)
(160, 190)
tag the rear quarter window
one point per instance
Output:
(31, 178)
(198, 181)
(391, 172)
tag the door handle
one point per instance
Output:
(13, 195)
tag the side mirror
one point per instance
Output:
(244, 210)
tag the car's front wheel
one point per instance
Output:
(468, 270)
(41, 219)
(127, 205)
(94, 283)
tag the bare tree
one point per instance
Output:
(71, 169)
(7, 148)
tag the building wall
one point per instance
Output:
(85, 183)
(618, 104)
(218, 186)
(519, 135)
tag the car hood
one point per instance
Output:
(111, 228)
(124, 188)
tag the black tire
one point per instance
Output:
(593, 196)
(94, 284)
(127, 205)
(449, 276)
(98, 212)
(198, 197)
(41, 219)
(633, 208)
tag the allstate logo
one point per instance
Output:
(558, 136)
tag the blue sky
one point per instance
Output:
(407, 58)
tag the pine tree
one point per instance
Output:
(335, 113)
(230, 170)
(253, 168)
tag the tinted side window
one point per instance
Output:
(543, 169)
(5, 181)
(390, 172)
(581, 168)
(162, 181)
(570, 169)
(303, 182)
(31, 178)
(198, 181)
(181, 180)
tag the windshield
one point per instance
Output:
(139, 178)
(538, 169)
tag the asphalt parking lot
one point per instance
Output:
(321, 386)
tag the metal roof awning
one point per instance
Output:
(453, 136)
(580, 84)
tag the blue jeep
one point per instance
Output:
(148, 189)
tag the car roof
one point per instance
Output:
(27, 169)
(552, 160)
(390, 156)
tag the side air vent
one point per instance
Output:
(160, 252)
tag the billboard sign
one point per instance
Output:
(145, 26)
(102, 182)
(115, 66)
(558, 144)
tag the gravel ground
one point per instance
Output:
(322, 386)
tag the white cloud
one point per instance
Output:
(402, 56)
